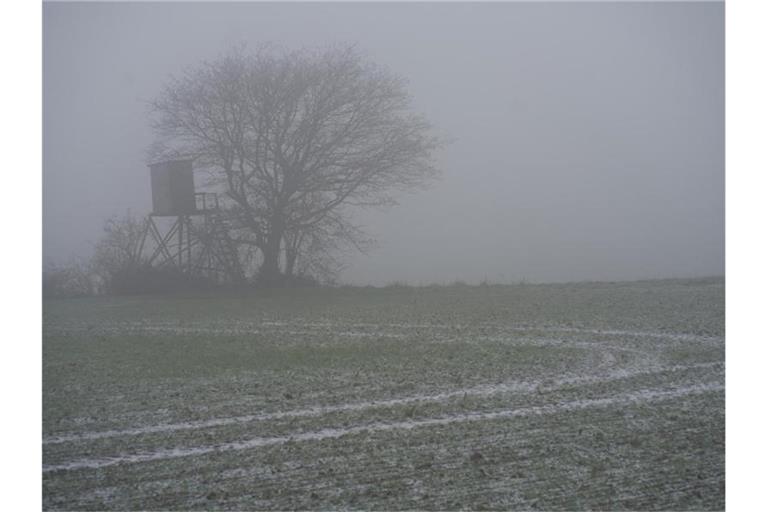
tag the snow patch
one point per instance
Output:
(484, 390)
(333, 433)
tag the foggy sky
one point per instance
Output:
(588, 139)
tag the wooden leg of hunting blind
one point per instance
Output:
(140, 251)
(180, 222)
(208, 250)
(162, 242)
(190, 241)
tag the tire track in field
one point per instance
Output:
(643, 396)
(484, 390)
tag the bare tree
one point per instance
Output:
(311, 252)
(118, 249)
(293, 138)
(115, 255)
(71, 280)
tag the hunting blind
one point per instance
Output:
(197, 241)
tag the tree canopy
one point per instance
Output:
(294, 139)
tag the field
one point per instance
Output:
(569, 396)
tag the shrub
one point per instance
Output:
(146, 279)
(73, 280)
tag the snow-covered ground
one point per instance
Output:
(554, 396)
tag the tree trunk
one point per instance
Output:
(269, 273)
(290, 262)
